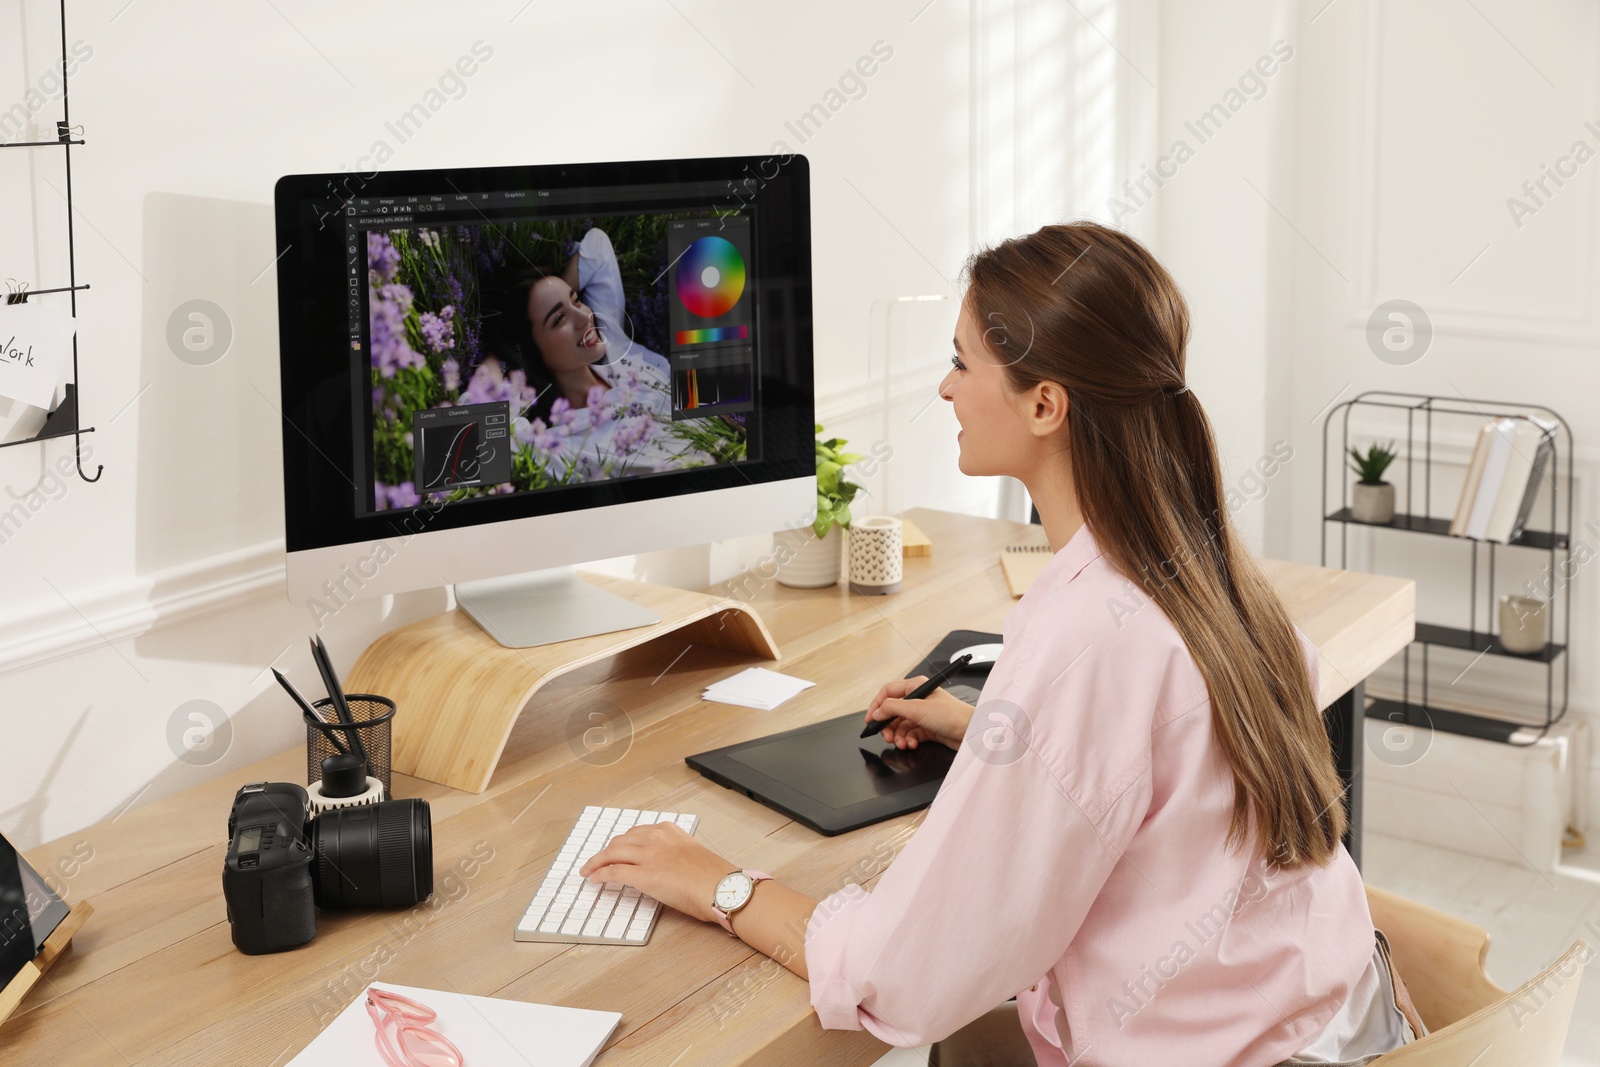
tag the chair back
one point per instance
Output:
(1471, 1021)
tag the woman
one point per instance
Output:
(601, 403)
(546, 326)
(1139, 837)
(593, 271)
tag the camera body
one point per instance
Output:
(266, 877)
(282, 864)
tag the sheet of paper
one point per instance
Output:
(35, 342)
(756, 687)
(486, 1030)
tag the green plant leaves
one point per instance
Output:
(1371, 464)
(834, 491)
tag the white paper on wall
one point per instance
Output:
(35, 342)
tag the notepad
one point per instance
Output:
(1022, 564)
(485, 1029)
(756, 687)
(35, 342)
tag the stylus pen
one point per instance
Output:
(921, 692)
(309, 711)
(330, 679)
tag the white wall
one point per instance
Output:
(1205, 191)
(125, 601)
(1378, 163)
(1416, 123)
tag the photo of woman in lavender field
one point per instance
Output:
(563, 319)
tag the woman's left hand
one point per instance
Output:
(664, 861)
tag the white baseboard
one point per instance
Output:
(135, 606)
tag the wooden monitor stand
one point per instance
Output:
(458, 691)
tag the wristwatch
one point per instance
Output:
(733, 893)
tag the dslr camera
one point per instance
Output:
(283, 863)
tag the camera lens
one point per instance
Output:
(373, 856)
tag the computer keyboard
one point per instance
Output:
(569, 910)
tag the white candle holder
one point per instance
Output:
(877, 558)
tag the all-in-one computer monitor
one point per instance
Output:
(490, 374)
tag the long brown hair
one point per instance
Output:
(1089, 307)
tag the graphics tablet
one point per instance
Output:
(827, 776)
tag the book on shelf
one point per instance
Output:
(1542, 470)
(1494, 470)
(1469, 487)
(1510, 457)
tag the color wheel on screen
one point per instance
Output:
(710, 277)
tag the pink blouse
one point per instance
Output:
(1074, 857)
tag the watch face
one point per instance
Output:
(733, 891)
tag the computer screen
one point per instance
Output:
(475, 327)
(484, 345)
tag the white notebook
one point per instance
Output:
(1514, 483)
(1494, 470)
(487, 1030)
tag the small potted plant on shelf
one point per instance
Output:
(1372, 498)
(809, 558)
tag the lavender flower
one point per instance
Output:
(439, 330)
(545, 438)
(400, 295)
(631, 433)
(488, 385)
(404, 495)
(383, 259)
(391, 351)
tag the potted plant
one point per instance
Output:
(809, 558)
(1372, 498)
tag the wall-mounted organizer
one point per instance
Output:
(1555, 539)
(65, 419)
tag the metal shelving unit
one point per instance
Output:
(1555, 539)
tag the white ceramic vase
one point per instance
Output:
(1372, 503)
(806, 561)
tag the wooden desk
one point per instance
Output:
(154, 979)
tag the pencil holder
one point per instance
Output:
(876, 556)
(371, 716)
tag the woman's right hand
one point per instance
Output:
(937, 717)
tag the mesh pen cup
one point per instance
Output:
(371, 717)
